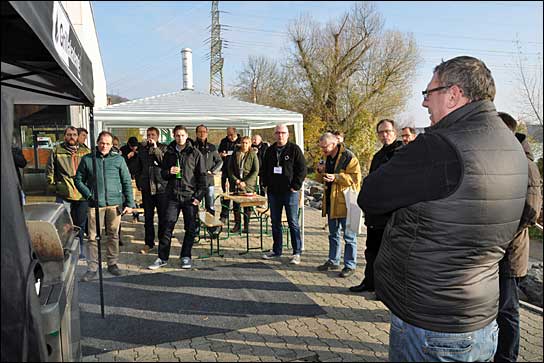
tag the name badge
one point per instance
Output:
(230, 152)
(278, 170)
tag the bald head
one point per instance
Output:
(281, 134)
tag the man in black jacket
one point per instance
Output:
(153, 186)
(375, 223)
(213, 164)
(456, 205)
(226, 149)
(183, 167)
(260, 147)
(284, 172)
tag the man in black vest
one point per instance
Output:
(456, 205)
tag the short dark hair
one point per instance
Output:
(70, 128)
(103, 133)
(153, 129)
(180, 127)
(201, 125)
(470, 74)
(509, 121)
(132, 141)
(412, 130)
(82, 129)
(385, 120)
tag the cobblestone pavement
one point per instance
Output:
(354, 328)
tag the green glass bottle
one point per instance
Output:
(178, 174)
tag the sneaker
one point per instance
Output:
(146, 250)
(185, 262)
(328, 266)
(114, 270)
(295, 259)
(89, 275)
(347, 272)
(157, 264)
(271, 255)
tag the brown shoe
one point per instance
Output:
(146, 250)
(235, 229)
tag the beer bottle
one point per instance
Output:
(178, 174)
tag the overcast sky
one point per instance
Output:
(141, 42)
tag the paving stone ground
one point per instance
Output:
(354, 328)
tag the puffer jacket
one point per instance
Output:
(516, 258)
(248, 174)
(192, 185)
(437, 267)
(347, 174)
(211, 159)
(112, 178)
(61, 170)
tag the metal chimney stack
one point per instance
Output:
(187, 61)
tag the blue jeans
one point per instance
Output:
(209, 199)
(408, 343)
(508, 320)
(290, 201)
(335, 250)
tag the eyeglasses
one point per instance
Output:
(427, 92)
(389, 131)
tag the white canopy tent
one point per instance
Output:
(191, 108)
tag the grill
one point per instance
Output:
(54, 239)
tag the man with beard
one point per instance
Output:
(61, 170)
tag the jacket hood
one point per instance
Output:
(522, 138)
(188, 146)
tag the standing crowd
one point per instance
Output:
(446, 212)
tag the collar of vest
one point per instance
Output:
(461, 114)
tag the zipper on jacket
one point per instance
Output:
(104, 177)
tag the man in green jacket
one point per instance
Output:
(61, 170)
(113, 183)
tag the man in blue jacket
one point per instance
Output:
(113, 183)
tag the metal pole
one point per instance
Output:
(96, 210)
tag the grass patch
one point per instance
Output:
(535, 233)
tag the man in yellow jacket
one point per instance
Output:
(339, 171)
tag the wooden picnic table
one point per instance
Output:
(247, 200)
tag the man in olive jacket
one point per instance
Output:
(114, 199)
(340, 172)
(456, 205)
(242, 171)
(513, 266)
(61, 170)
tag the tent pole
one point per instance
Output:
(96, 209)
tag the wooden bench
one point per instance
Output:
(213, 226)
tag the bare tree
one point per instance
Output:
(530, 84)
(263, 81)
